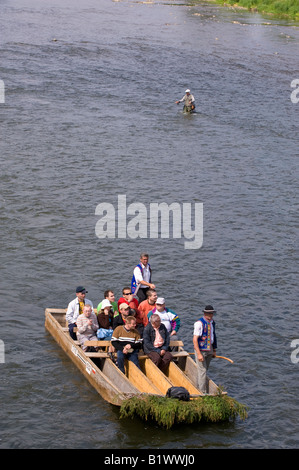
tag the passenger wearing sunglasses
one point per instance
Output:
(128, 298)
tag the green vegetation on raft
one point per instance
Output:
(169, 411)
(283, 8)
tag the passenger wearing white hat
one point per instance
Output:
(105, 314)
(189, 102)
(168, 317)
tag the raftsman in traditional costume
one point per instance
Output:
(205, 335)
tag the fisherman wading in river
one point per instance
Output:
(189, 102)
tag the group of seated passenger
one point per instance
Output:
(129, 325)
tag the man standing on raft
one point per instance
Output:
(205, 345)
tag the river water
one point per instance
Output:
(89, 115)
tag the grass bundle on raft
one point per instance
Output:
(169, 411)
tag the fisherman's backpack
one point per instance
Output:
(181, 393)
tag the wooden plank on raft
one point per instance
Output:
(155, 375)
(176, 343)
(96, 354)
(179, 353)
(139, 379)
(98, 343)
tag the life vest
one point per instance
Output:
(204, 341)
(134, 282)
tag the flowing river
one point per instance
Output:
(88, 117)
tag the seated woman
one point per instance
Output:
(105, 320)
(87, 325)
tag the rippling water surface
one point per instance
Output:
(89, 114)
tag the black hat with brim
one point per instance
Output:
(209, 309)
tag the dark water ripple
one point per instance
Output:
(90, 115)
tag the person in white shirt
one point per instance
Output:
(205, 345)
(168, 317)
(75, 308)
(142, 278)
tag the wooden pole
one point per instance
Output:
(220, 357)
(226, 358)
